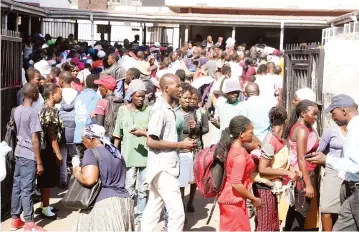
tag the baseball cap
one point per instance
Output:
(107, 81)
(232, 85)
(341, 101)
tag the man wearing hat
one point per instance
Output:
(107, 85)
(229, 109)
(345, 112)
(131, 126)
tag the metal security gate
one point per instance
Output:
(304, 65)
(11, 64)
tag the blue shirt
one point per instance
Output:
(350, 162)
(85, 104)
(257, 110)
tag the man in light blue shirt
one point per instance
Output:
(257, 109)
(344, 112)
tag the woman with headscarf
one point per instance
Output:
(113, 208)
(303, 94)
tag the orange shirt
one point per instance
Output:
(239, 166)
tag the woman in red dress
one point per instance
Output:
(239, 165)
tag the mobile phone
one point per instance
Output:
(309, 156)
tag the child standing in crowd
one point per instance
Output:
(239, 165)
(67, 115)
(50, 154)
(190, 130)
(131, 128)
(28, 161)
(33, 77)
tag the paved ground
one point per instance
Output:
(196, 220)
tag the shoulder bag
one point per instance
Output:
(79, 196)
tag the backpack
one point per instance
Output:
(209, 174)
(6, 184)
(114, 104)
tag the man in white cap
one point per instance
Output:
(229, 109)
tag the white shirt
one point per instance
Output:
(257, 109)
(350, 162)
(268, 84)
(236, 69)
(127, 62)
(162, 123)
(39, 104)
(162, 72)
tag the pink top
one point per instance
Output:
(239, 166)
(312, 146)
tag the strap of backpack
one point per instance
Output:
(212, 210)
(221, 86)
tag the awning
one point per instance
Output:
(23, 8)
(194, 19)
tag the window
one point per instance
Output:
(137, 2)
(102, 28)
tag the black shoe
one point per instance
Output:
(190, 209)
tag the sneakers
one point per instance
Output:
(39, 210)
(16, 224)
(47, 213)
(31, 226)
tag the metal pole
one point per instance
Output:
(5, 22)
(42, 26)
(29, 25)
(141, 35)
(17, 23)
(109, 33)
(186, 35)
(92, 31)
(144, 34)
(234, 33)
(281, 36)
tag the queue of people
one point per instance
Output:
(136, 122)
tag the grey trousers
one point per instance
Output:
(348, 219)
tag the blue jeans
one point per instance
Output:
(131, 178)
(23, 189)
(65, 150)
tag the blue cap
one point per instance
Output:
(341, 101)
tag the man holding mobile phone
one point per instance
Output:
(345, 112)
(131, 129)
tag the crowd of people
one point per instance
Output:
(134, 117)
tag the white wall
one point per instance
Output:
(341, 71)
(58, 3)
(275, 4)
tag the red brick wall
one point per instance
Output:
(92, 4)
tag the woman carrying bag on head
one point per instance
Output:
(113, 208)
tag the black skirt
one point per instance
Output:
(51, 176)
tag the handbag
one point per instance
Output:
(79, 196)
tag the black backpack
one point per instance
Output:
(6, 184)
(114, 104)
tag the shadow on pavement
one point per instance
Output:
(63, 212)
(201, 212)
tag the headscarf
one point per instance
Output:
(98, 132)
(306, 94)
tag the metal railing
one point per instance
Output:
(350, 29)
(11, 64)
